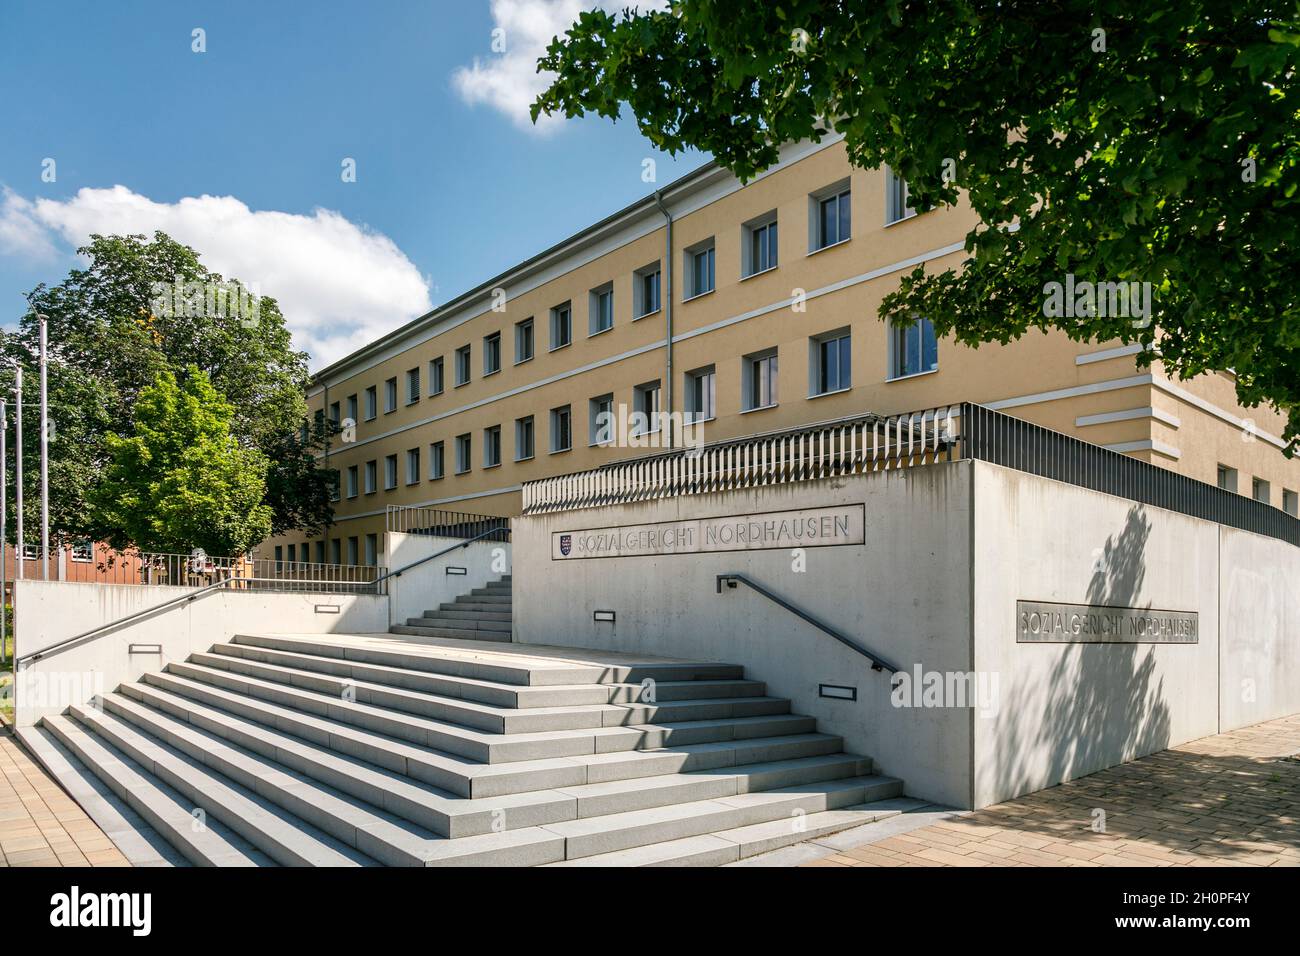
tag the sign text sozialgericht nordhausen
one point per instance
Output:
(1038, 622)
(808, 528)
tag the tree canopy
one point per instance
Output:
(181, 481)
(139, 308)
(1108, 141)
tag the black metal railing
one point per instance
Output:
(878, 663)
(440, 523)
(1000, 439)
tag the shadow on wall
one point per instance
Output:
(1100, 704)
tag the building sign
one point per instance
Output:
(1043, 623)
(806, 528)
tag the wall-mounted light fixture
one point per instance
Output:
(604, 616)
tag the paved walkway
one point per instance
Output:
(40, 825)
(1228, 800)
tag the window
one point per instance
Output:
(336, 413)
(645, 291)
(701, 394)
(524, 341)
(1290, 502)
(352, 481)
(523, 438)
(390, 395)
(830, 363)
(462, 365)
(759, 380)
(320, 551)
(29, 552)
(492, 353)
(390, 472)
(352, 408)
(464, 447)
(913, 349)
(372, 549)
(279, 557)
(561, 433)
(436, 382)
(492, 446)
(600, 427)
(437, 460)
(832, 212)
(1260, 490)
(413, 466)
(336, 551)
(561, 326)
(83, 550)
(352, 550)
(759, 249)
(645, 400)
(372, 398)
(334, 480)
(293, 554)
(412, 386)
(896, 207)
(372, 476)
(699, 270)
(1227, 478)
(601, 310)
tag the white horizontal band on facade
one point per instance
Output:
(1074, 391)
(1089, 357)
(1129, 414)
(1177, 391)
(1147, 444)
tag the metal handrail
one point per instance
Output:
(461, 544)
(877, 662)
(157, 608)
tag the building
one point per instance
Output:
(751, 309)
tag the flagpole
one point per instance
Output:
(45, 457)
(18, 473)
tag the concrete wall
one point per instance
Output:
(429, 585)
(1070, 709)
(47, 612)
(1260, 629)
(949, 551)
(904, 593)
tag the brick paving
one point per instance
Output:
(40, 825)
(1228, 800)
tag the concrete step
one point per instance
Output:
(230, 787)
(431, 661)
(461, 612)
(533, 668)
(485, 747)
(489, 717)
(470, 605)
(162, 809)
(289, 808)
(484, 596)
(168, 717)
(140, 843)
(473, 622)
(416, 630)
(469, 778)
(728, 846)
(621, 831)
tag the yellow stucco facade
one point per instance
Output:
(1094, 391)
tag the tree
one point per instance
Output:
(141, 307)
(182, 481)
(1151, 143)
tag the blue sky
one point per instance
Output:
(452, 184)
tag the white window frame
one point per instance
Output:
(525, 438)
(824, 384)
(897, 205)
(464, 453)
(390, 395)
(464, 365)
(371, 476)
(695, 394)
(412, 385)
(600, 309)
(841, 193)
(770, 359)
(600, 404)
(647, 302)
(647, 400)
(492, 446)
(898, 349)
(390, 472)
(413, 466)
(491, 354)
(525, 330)
(437, 460)
(693, 290)
(437, 376)
(561, 319)
(564, 412)
(764, 234)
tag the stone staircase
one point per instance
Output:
(338, 750)
(482, 615)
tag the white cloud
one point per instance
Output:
(509, 81)
(340, 285)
